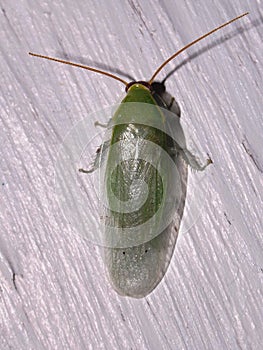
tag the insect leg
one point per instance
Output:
(101, 124)
(194, 162)
(99, 159)
(189, 158)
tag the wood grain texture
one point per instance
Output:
(53, 290)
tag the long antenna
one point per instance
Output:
(192, 43)
(80, 66)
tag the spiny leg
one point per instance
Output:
(190, 159)
(101, 124)
(99, 159)
(194, 161)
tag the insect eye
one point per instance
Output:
(146, 250)
(123, 253)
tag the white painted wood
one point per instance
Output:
(53, 290)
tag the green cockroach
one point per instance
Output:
(145, 181)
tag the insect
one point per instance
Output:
(146, 169)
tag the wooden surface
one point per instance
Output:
(53, 290)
